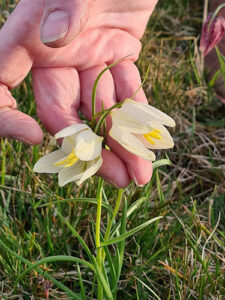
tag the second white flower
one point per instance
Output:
(79, 157)
(139, 127)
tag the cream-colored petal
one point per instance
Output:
(91, 168)
(68, 144)
(122, 120)
(88, 145)
(131, 143)
(72, 173)
(70, 130)
(165, 143)
(143, 113)
(46, 163)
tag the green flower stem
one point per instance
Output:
(98, 234)
(104, 115)
(109, 225)
(94, 92)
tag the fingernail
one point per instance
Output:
(55, 26)
(135, 180)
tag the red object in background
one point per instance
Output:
(212, 33)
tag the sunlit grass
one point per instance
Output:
(178, 257)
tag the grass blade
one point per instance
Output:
(76, 234)
(147, 287)
(129, 233)
(121, 245)
(81, 283)
(161, 162)
(70, 293)
(54, 259)
(84, 200)
(105, 286)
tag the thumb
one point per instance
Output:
(15, 124)
(62, 21)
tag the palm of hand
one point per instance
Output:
(63, 77)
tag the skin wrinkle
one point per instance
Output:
(90, 48)
(6, 99)
(77, 19)
(82, 60)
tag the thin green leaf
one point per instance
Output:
(70, 293)
(56, 259)
(129, 233)
(221, 60)
(103, 281)
(187, 234)
(111, 266)
(214, 78)
(147, 287)
(85, 200)
(143, 82)
(76, 234)
(161, 162)
(121, 245)
(130, 210)
(159, 188)
(81, 283)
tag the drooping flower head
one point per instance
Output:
(139, 127)
(78, 158)
(213, 31)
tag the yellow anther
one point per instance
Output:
(154, 134)
(62, 162)
(69, 161)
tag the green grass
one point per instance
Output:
(180, 256)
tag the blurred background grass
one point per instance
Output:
(182, 256)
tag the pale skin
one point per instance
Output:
(93, 34)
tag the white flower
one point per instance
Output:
(79, 157)
(139, 127)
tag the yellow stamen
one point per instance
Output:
(62, 162)
(155, 134)
(69, 161)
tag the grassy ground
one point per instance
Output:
(179, 257)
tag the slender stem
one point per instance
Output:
(109, 225)
(98, 234)
(94, 92)
(104, 115)
(216, 12)
(3, 162)
(116, 209)
(143, 82)
(206, 5)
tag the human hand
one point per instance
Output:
(99, 32)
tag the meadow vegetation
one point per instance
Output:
(180, 256)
